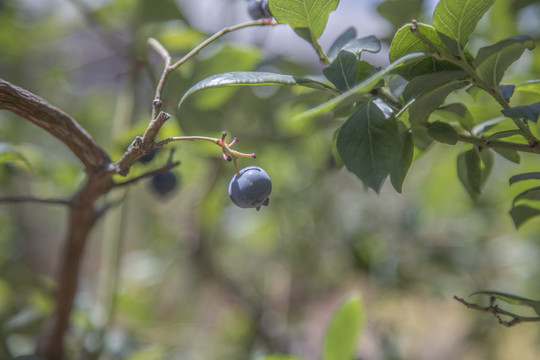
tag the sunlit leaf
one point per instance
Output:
(532, 86)
(8, 155)
(344, 330)
(531, 112)
(511, 155)
(457, 19)
(492, 61)
(309, 16)
(529, 194)
(404, 42)
(253, 78)
(363, 87)
(369, 144)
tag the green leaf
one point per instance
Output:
(511, 299)
(443, 132)
(526, 176)
(340, 42)
(470, 172)
(421, 108)
(307, 16)
(531, 112)
(492, 61)
(404, 42)
(505, 134)
(460, 113)
(342, 71)
(458, 18)
(368, 43)
(8, 155)
(253, 78)
(421, 85)
(344, 330)
(530, 194)
(369, 143)
(522, 213)
(398, 12)
(401, 168)
(532, 86)
(511, 155)
(363, 87)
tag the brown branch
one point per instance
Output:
(496, 311)
(29, 199)
(54, 121)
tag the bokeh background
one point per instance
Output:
(191, 276)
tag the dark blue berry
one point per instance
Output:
(149, 156)
(251, 189)
(162, 184)
(259, 9)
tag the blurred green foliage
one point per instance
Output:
(195, 277)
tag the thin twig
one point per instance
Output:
(162, 169)
(496, 311)
(30, 199)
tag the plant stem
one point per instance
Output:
(498, 144)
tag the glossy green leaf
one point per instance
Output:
(522, 213)
(363, 87)
(492, 61)
(401, 167)
(404, 42)
(342, 71)
(344, 330)
(526, 176)
(443, 132)
(458, 112)
(457, 19)
(308, 16)
(532, 86)
(531, 112)
(369, 144)
(511, 299)
(340, 42)
(253, 78)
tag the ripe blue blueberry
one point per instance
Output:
(259, 9)
(251, 189)
(162, 184)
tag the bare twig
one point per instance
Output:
(496, 311)
(162, 169)
(29, 199)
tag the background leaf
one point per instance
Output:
(522, 213)
(443, 132)
(369, 143)
(340, 42)
(492, 61)
(458, 18)
(344, 330)
(525, 176)
(401, 167)
(511, 299)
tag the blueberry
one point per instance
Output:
(149, 156)
(162, 184)
(259, 9)
(251, 189)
